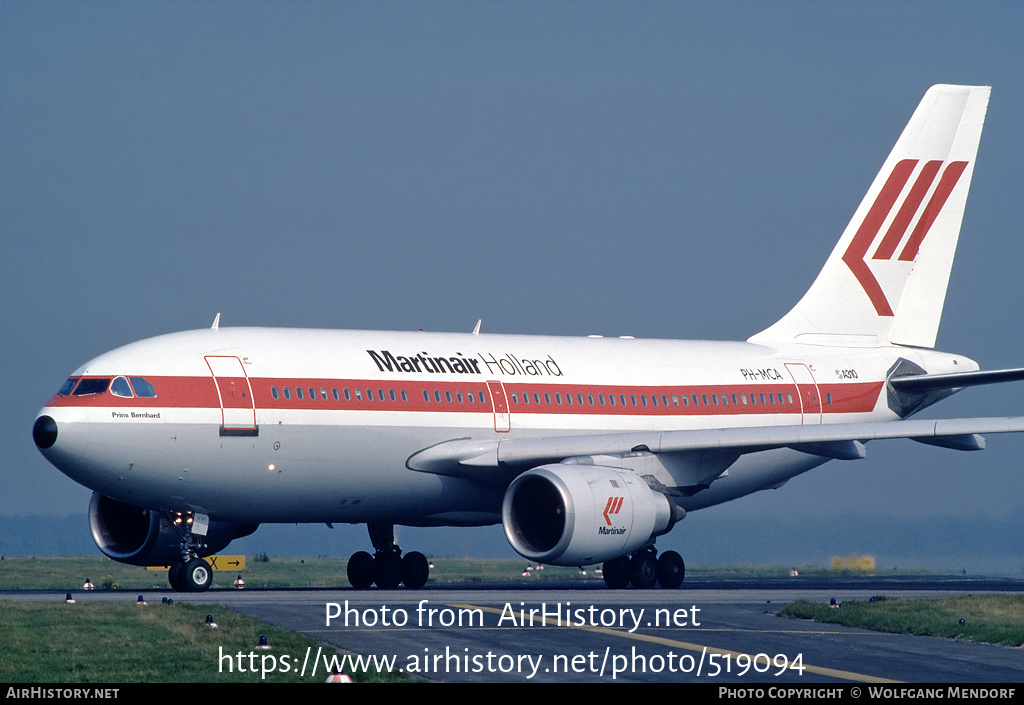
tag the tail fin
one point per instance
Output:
(885, 282)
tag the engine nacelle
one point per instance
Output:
(575, 515)
(138, 536)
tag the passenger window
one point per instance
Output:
(590, 400)
(391, 393)
(405, 397)
(298, 392)
(426, 396)
(359, 394)
(274, 393)
(119, 388)
(323, 393)
(611, 399)
(142, 387)
(287, 392)
(334, 393)
(458, 396)
(348, 394)
(369, 395)
(789, 398)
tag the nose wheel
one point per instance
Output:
(191, 573)
(195, 575)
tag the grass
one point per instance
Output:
(993, 619)
(118, 643)
(68, 573)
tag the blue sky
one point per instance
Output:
(663, 169)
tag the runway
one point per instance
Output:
(710, 631)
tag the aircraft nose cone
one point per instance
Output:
(44, 432)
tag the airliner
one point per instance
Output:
(585, 449)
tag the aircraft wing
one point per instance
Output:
(500, 460)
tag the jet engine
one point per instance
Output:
(138, 536)
(574, 515)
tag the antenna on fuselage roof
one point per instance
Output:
(476, 328)
(216, 322)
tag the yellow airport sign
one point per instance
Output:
(223, 563)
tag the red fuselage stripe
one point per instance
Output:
(541, 398)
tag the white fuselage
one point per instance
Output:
(286, 425)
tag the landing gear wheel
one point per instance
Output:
(616, 573)
(360, 570)
(197, 575)
(643, 570)
(174, 576)
(387, 570)
(671, 570)
(415, 570)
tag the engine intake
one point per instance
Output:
(138, 536)
(568, 515)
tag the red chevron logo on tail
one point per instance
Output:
(856, 253)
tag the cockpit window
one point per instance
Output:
(92, 386)
(142, 387)
(68, 386)
(119, 388)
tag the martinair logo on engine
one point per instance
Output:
(613, 506)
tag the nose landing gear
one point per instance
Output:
(191, 573)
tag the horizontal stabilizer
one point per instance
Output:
(955, 380)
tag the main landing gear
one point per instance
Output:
(191, 573)
(645, 568)
(387, 567)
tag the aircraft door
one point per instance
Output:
(238, 408)
(807, 391)
(499, 402)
